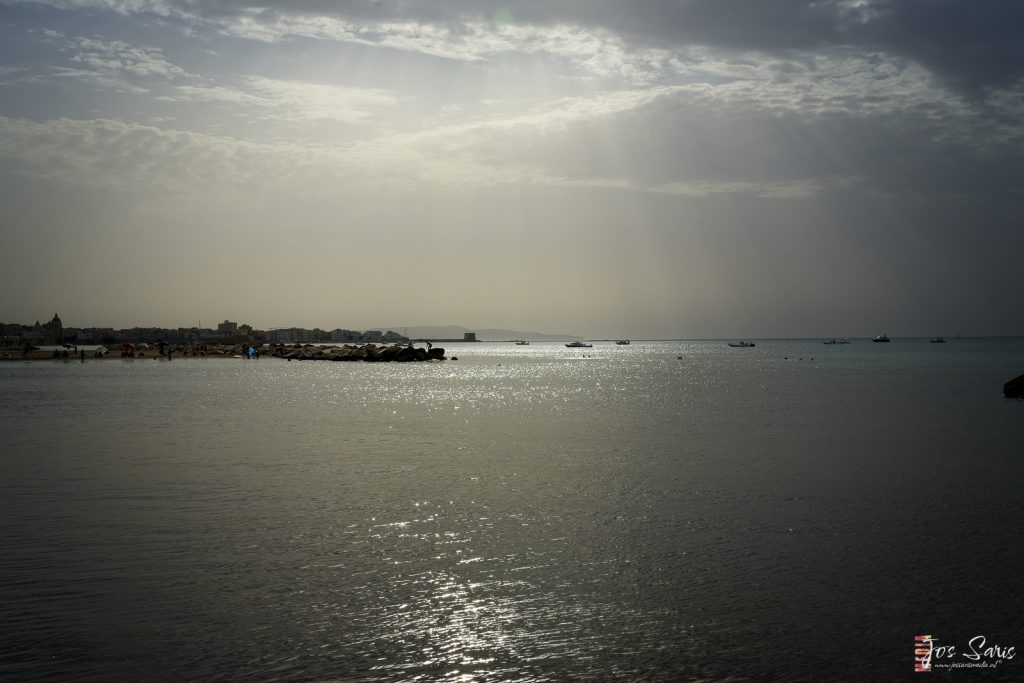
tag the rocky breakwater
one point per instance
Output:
(369, 353)
(1014, 388)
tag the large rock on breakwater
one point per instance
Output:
(1014, 388)
(369, 353)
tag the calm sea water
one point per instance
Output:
(662, 511)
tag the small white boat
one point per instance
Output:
(742, 344)
(937, 340)
(579, 345)
(880, 338)
(522, 342)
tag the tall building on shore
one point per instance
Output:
(53, 331)
(45, 333)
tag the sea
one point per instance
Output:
(662, 511)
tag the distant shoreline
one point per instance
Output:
(14, 353)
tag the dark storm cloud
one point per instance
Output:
(971, 44)
(968, 44)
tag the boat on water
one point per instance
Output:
(522, 342)
(742, 344)
(881, 338)
(937, 340)
(579, 345)
(843, 340)
(623, 342)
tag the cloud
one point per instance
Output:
(124, 156)
(213, 93)
(98, 80)
(291, 100)
(120, 57)
(968, 45)
(106, 65)
(971, 45)
(146, 159)
(798, 189)
(9, 75)
(778, 130)
(671, 110)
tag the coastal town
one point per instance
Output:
(42, 341)
(55, 333)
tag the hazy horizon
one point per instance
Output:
(657, 170)
(510, 334)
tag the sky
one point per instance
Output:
(644, 169)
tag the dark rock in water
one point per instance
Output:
(370, 353)
(406, 355)
(1014, 388)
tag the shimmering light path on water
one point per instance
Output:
(659, 511)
